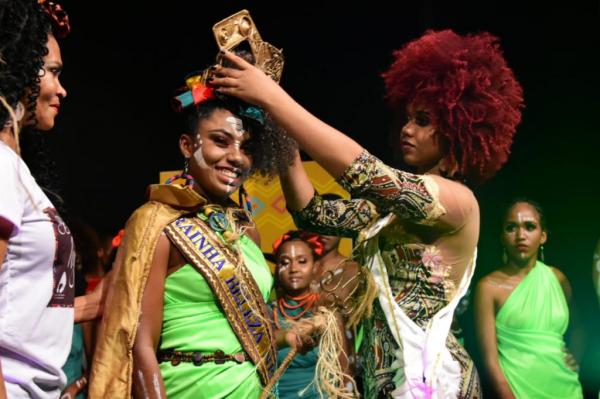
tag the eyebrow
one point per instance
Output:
(222, 131)
(513, 221)
(54, 64)
(246, 134)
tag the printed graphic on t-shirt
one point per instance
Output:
(63, 291)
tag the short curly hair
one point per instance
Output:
(473, 95)
(23, 39)
(269, 147)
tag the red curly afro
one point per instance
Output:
(473, 96)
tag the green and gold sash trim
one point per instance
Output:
(233, 286)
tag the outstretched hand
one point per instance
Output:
(244, 81)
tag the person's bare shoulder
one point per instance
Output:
(491, 283)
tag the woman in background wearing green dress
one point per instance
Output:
(522, 314)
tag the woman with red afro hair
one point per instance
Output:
(415, 232)
(473, 95)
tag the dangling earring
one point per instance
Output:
(185, 175)
(504, 256)
(541, 253)
(244, 199)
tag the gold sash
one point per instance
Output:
(233, 286)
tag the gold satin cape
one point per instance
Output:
(112, 367)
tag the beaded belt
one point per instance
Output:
(176, 357)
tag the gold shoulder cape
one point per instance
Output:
(112, 366)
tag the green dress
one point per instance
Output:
(301, 371)
(194, 321)
(530, 328)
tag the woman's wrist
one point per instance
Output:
(280, 338)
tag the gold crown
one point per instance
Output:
(240, 27)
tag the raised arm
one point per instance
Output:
(485, 318)
(329, 147)
(408, 195)
(147, 379)
(311, 212)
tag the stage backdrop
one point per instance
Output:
(268, 204)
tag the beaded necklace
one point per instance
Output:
(305, 302)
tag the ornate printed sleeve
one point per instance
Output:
(409, 196)
(339, 217)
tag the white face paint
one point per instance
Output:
(231, 187)
(522, 218)
(198, 156)
(293, 256)
(282, 268)
(237, 125)
(238, 129)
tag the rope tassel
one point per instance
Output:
(330, 379)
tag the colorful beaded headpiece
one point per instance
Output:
(229, 34)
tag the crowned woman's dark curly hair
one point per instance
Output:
(24, 29)
(271, 150)
(472, 94)
(269, 147)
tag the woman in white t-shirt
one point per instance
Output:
(36, 247)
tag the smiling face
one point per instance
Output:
(295, 267)
(522, 233)
(217, 154)
(51, 91)
(420, 142)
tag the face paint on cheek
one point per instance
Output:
(282, 268)
(199, 157)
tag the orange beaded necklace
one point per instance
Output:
(306, 302)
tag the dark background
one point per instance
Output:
(123, 61)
